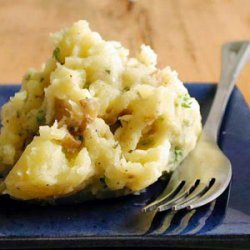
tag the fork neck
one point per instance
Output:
(213, 122)
(234, 57)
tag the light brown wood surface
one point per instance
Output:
(186, 34)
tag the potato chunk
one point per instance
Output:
(43, 170)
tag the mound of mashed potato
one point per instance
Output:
(94, 117)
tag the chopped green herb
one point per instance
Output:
(185, 101)
(139, 94)
(186, 97)
(57, 54)
(178, 153)
(107, 71)
(185, 105)
(40, 117)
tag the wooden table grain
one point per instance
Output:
(186, 34)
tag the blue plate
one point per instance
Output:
(224, 223)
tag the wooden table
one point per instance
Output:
(186, 34)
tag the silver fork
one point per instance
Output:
(206, 172)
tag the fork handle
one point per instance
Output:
(234, 57)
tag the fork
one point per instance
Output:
(206, 172)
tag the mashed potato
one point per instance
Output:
(94, 117)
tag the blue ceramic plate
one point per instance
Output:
(224, 223)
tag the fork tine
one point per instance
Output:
(169, 192)
(184, 192)
(200, 190)
(216, 190)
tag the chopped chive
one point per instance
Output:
(178, 154)
(139, 94)
(57, 54)
(40, 117)
(185, 101)
(186, 105)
